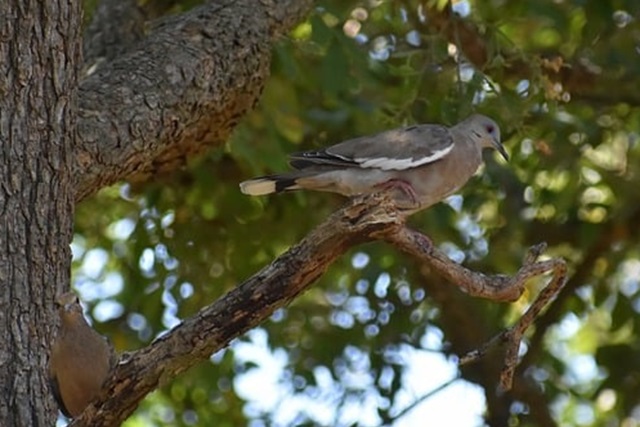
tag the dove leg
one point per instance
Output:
(402, 186)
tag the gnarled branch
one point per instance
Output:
(276, 285)
(180, 90)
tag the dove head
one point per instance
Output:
(69, 306)
(486, 133)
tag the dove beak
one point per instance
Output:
(498, 146)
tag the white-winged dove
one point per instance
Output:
(422, 164)
(80, 359)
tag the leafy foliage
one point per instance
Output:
(562, 79)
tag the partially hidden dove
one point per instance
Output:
(80, 360)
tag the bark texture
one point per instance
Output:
(149, 105)
(39, 56)
(243, 308)
(177, 92)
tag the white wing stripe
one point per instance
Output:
(386, 163)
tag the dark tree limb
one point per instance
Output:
(243, 308)
(211, 329)
(180, 91)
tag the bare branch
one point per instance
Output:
(495, 288)
(246, 306)
(512, 337)
(425, 397)
(363, 219)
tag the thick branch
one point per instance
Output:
(243, 308)
(182, 90)
(278, 284)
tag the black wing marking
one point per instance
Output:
(396, 149)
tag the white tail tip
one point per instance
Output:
(258, 187)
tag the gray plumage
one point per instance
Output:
(80, 361)
(420, 164)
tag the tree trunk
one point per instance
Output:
(40, 50)
(45, 166)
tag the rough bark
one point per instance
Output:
(179, 91)
(243, 308)
(115, 26)
(39, 55)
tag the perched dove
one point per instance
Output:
(80, 359)
(420, 164)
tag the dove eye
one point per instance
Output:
(490, 129)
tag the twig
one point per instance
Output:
(512, 337)
(495, 288)
(426, 396)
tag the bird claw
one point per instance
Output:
(403, 187)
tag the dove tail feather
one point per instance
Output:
(284, 183)
(268, 184)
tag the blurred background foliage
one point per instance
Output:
(378, 332)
